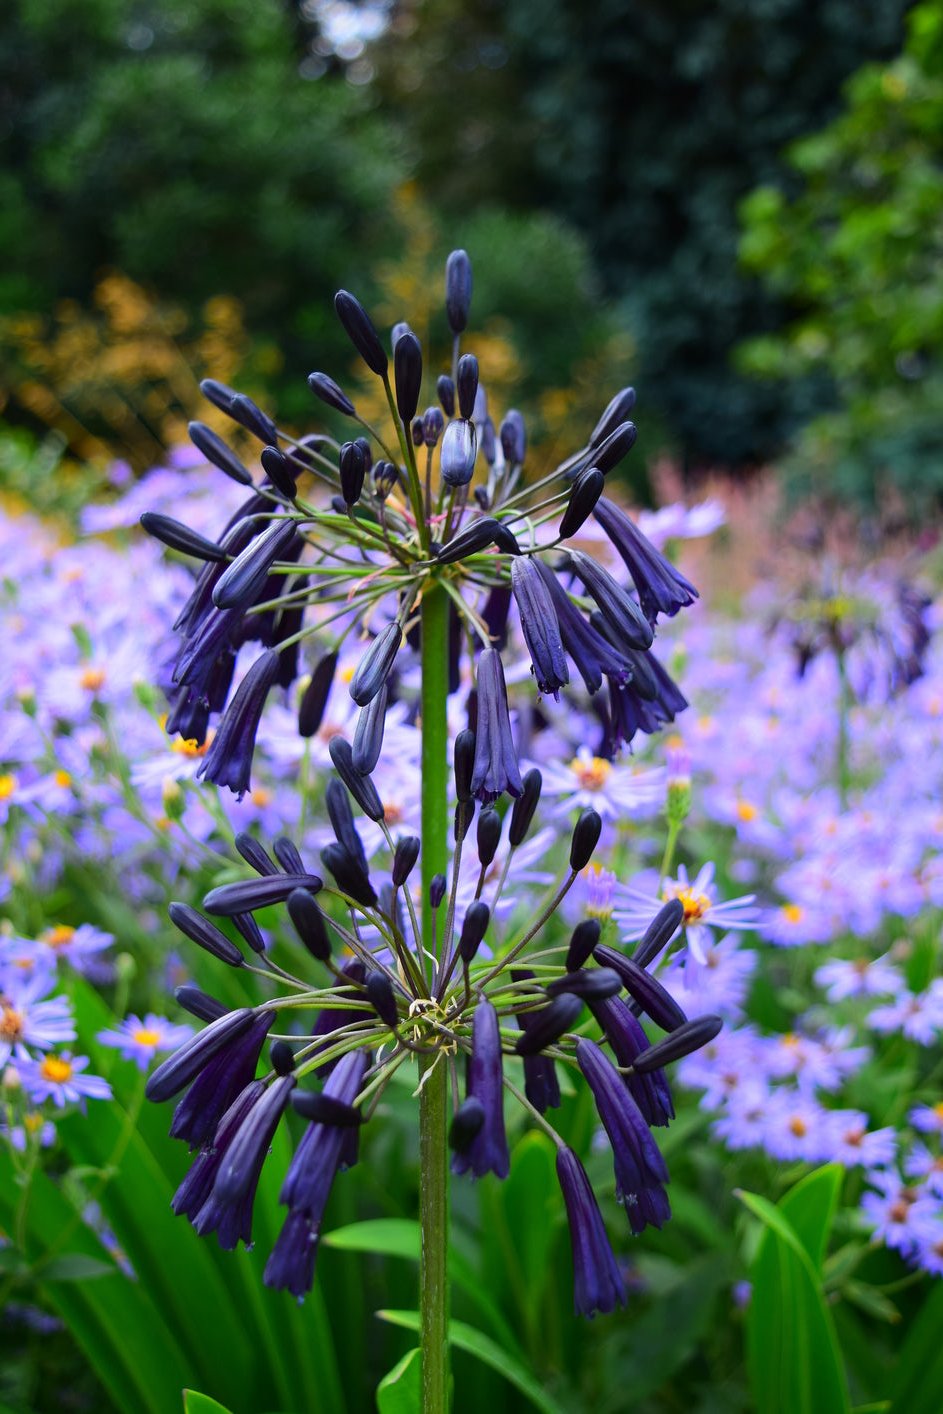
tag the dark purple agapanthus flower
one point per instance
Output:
(488, 1151)
(495, 768)
(661, 588)
(597, 1281)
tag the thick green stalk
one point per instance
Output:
(433, 1102)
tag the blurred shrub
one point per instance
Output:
(858, 252)
(122, 377)
(177, 141)
(643, 126)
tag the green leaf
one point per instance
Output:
(810, 1208)
(400, 1237)
(195, 1403)
(76, 1266)
(473, 1342)
(871, 1300)
(917, 1386)
(793, 1354)
(400, 1390)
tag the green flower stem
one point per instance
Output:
(434, 1096)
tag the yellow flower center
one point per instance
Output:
(261, 797)
(189, 746)
(793, 912)
(93, 679)
(593, 773)
(11, 1023)
(33, 1122)
(746, 811)
(145, 1036)
(798, 1127)
(56, 1069)
(63, 779)
(938, 1109)
(8, 785)
(695, 905)
(59, 937)
(392, 812)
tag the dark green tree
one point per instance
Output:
(644, 125)
(177, 141)
(858, 253)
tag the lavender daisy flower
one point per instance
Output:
(140, 1040)
(702, 909)
(61, 1079)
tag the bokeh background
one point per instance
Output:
(735, 206)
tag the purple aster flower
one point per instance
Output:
(141, 1040)
(61, 1078)
(702, 910)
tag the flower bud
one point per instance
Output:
(586, 834)
(513, 435)
(350, 878)
(458, 290)
(250, 416)
(361, 787)
(586, 491)
(475, 537)
(279, 471)
(242, 580)
(359, 329)
(205, 934)
(322, 1108)
(180, 537)
(376, 664)
(489, 835)
(250, 894)
(652, 997)
(547, 1025)
(432, 424)
(612, 449)
(407, 375)
(353, 470)
(584, 938)
(381, 997)
(616, 413)
(445, 391)
(689, 1036)
(464, 759)
(255, 855)
(282, 1057)
(331, 393)
(288, 855)
(215, 450)
(659, 932)
(385, 477)
(522, 811)
(437, 887)
(459, 450)
(314, 699)
(404, 859)
(199, 1004)
(474, 927)
(590, 983)
(308, 922)
(466, 384)
(368, 734)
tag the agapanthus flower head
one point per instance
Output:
(341, 541)
(343, 549)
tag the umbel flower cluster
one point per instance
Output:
(348, 539)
